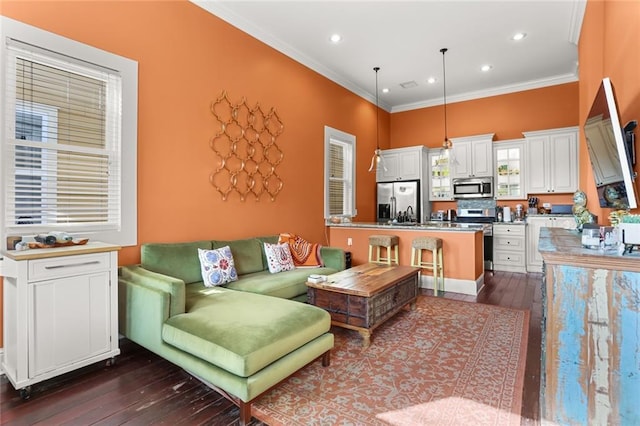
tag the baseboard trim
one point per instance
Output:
(469, 287)
(1, 362)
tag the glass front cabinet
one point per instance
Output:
(509, 169)
(439, 175)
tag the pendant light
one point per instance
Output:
(377, 158)
(446, 144)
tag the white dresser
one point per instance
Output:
(60, 311)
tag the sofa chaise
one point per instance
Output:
(241, 338)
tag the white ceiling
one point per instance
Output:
(404, 39)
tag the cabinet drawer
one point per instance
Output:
(44, 269)
(509, 258)
(509, 230)
(508, 242)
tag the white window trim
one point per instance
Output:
(347, 139)
(127, 235)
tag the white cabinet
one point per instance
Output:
(509, 247)
(552, 161)
(401, 164)
(509, 183)
(472, 156)
(60, 311)
(603, 153)
(534, 223)
(439, 175)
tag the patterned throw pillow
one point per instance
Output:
(217, 266)
(304, 253)
(278, 257)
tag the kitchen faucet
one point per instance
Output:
(409, 215)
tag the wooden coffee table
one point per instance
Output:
(363, 297)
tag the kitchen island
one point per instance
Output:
(590, 371)
(462, 246)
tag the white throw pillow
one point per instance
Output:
(217, 266)
(278, 257)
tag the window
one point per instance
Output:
(339, 185)
(68, 137)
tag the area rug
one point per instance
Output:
(445, 363)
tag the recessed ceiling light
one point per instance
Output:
(518, 36)
(486, 68)
(336, 38)
(386, 90)
(431, 80)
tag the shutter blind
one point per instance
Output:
(62, 162)
(336, 179)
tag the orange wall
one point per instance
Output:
(608, 47)
(506, 115)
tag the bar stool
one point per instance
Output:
(436, 265)
(390, 242)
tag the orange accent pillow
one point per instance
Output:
(304, 253)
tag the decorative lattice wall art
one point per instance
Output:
(246, 148)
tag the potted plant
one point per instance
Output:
(629, 227)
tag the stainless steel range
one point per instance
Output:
(484, 217)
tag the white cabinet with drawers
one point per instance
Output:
(60, 311)
(509, 247)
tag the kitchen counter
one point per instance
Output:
(439, 226)
(462, 244)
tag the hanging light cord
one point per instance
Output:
(376, 69)
(444, 85)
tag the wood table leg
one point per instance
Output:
(366, 337)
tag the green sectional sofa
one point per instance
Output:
(242, 338)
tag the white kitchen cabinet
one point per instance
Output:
(60, 311)
(472, 156)
(552, 161)
(402, 164)
(439, 175)
(534, 223)
(509, 173)
(604, 158)
(509, 247)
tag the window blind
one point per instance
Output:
(62, 153)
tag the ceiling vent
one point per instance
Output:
(408, 84)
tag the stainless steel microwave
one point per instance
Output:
(473, 187)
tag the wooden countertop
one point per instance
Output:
(90, 247)
(564, 246)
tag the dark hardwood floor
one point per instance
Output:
(142, 388)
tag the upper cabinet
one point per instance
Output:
(439, 175)
(508, 160)
(472, 156)
(401, 164)
(552, 161)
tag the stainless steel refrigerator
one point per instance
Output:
(398, 200)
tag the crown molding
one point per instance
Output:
(494, 91)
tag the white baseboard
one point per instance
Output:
(455, 285)
(1, 361)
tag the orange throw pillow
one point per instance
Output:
(304, 253)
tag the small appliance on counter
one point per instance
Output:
(506, 214)
(448, 215)
(519, 215)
